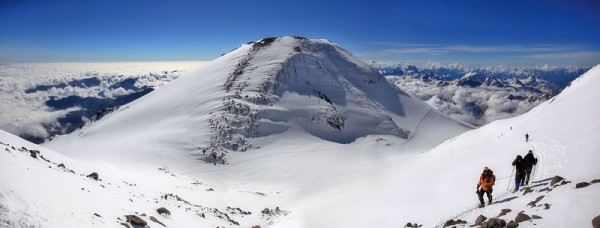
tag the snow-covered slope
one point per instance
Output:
(289, 85)
(370, 182)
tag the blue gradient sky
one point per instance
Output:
(470, 32)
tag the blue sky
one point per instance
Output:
(470, 32)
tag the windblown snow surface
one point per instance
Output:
(384, 168)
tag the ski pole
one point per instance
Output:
(511, 173)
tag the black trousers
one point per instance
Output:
(526, 179)
(488, 193)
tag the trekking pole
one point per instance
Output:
(510, 178)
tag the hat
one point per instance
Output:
(530, 151)
(486, 168)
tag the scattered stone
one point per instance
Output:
(546, 206)
(565, 182)
(257, 226)
(494, 223)
(536, 217)
(61, 165)
(266, 211)
(202, 215)
(596, 222)
(527, 190)
(555, 180)
(34, 153)
(163, 210)
(595, 181)
(512, 224)
(522, 217)
(582, 185)
(451, 222)
(503, 212)
(412, 225)
(480, 220)
(156, 221)
(545, 189)
(135, 220)
(97, 215)
(143, 214)
(93, 175)
(125, 225)
(209, 189)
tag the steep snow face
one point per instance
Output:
(308, 88)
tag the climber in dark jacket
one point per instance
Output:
(519, 171)
(528, 162)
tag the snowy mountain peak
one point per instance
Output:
(305, 88)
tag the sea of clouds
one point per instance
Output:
(26, 113)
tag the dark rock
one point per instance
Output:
(480, 219)
(522, 217)
(61, 165)
(494, 223)
(545, 189)
(450, 222)
(135, 220)
(125, 225)
(527, 190)
(163, 210)
(257, 226)
(156, 220)
(582, 185)
(595, 181)
(596, 222)
(34, 153)
(536, 217)
(533, 203)
(266, 211)
(512, 224)
(93, 175)
(565, 182)
(555, 180)
(97, 215)
(546, 206)
(503, 212)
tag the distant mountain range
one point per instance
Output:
(480, 95)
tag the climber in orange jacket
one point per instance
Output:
(484, 186)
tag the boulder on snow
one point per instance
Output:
(93, 175)
(596, 222)
(545, 189)
(34, 153)
(257, 226)
(536, 217)
(266, 211)
(480, 220)
(494, 223)
(582, 185)
(503, 212)
(512, 224)
(527, 190)
(135, 220)
(595, 181)
(555, 180)
(451, 222)
(521, 217)
(163, 210)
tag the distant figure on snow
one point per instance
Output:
(528, 162)
(526, 137)
(486, 181)
(519, 171)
